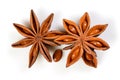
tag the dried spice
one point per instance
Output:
(37, 36)
(57, 55)
(83, 40)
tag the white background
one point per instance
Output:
(14, 61)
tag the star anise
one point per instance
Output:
(37, 36)
(83, 40)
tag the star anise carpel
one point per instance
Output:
(38, 36)
(82, 40)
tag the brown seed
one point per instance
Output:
(57, 55)
(88, 56)
(68, 40)
(95, 31)
(84, 25)
(76, 53)
(72, 29)
(96, 43)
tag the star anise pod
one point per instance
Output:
(82, 40)
(37, 36)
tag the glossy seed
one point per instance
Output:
(84, 25)
(94, 32)
(72, 29)
(57, 55)
(76, 52)
(88, 56)
(68, 40)
(96, 43)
